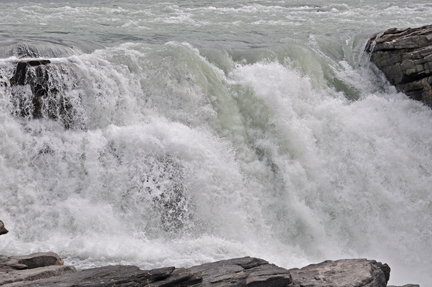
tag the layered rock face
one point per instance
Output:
(47, 269)
(405, 57)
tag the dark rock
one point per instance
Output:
(405, 57)
(3, 229)
(46, 98)
(239, 272)
(245, 271)
(347, 272)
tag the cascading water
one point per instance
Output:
(174, 135)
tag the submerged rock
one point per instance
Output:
(405, 57)
(3, 229)
(39, 89)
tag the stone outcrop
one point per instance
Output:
(405, 57)
(3, 229)
(47, 269)
(242, 272)
(346, 272)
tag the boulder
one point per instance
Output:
(341, 273)
(405, 57)
(3, 229)
(31, 267)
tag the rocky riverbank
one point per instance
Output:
(47, 269)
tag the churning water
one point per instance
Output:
(204, 130)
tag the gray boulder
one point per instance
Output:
(342, 273)
(405, 57)
(19, 269)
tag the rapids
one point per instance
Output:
(208, 130)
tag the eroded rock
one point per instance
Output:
(238, 272)
(346, 272)
(405, 57)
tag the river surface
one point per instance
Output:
(206, 130)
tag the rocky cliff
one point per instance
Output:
(405, 57)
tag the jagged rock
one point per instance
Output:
(3, 229)
(247, 271)
(45, 97)
(405, 57)
(346, 272)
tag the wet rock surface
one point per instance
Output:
(405, 57)
(39, 89)
(47, 269)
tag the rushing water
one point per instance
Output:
(204, 130)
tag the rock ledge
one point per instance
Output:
(47, 269)
(405, 57)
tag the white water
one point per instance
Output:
(205, 131)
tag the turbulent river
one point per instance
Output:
(205, 130)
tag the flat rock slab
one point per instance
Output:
(245, 271)
(117, 276)
(405, 57)
(342, 273)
